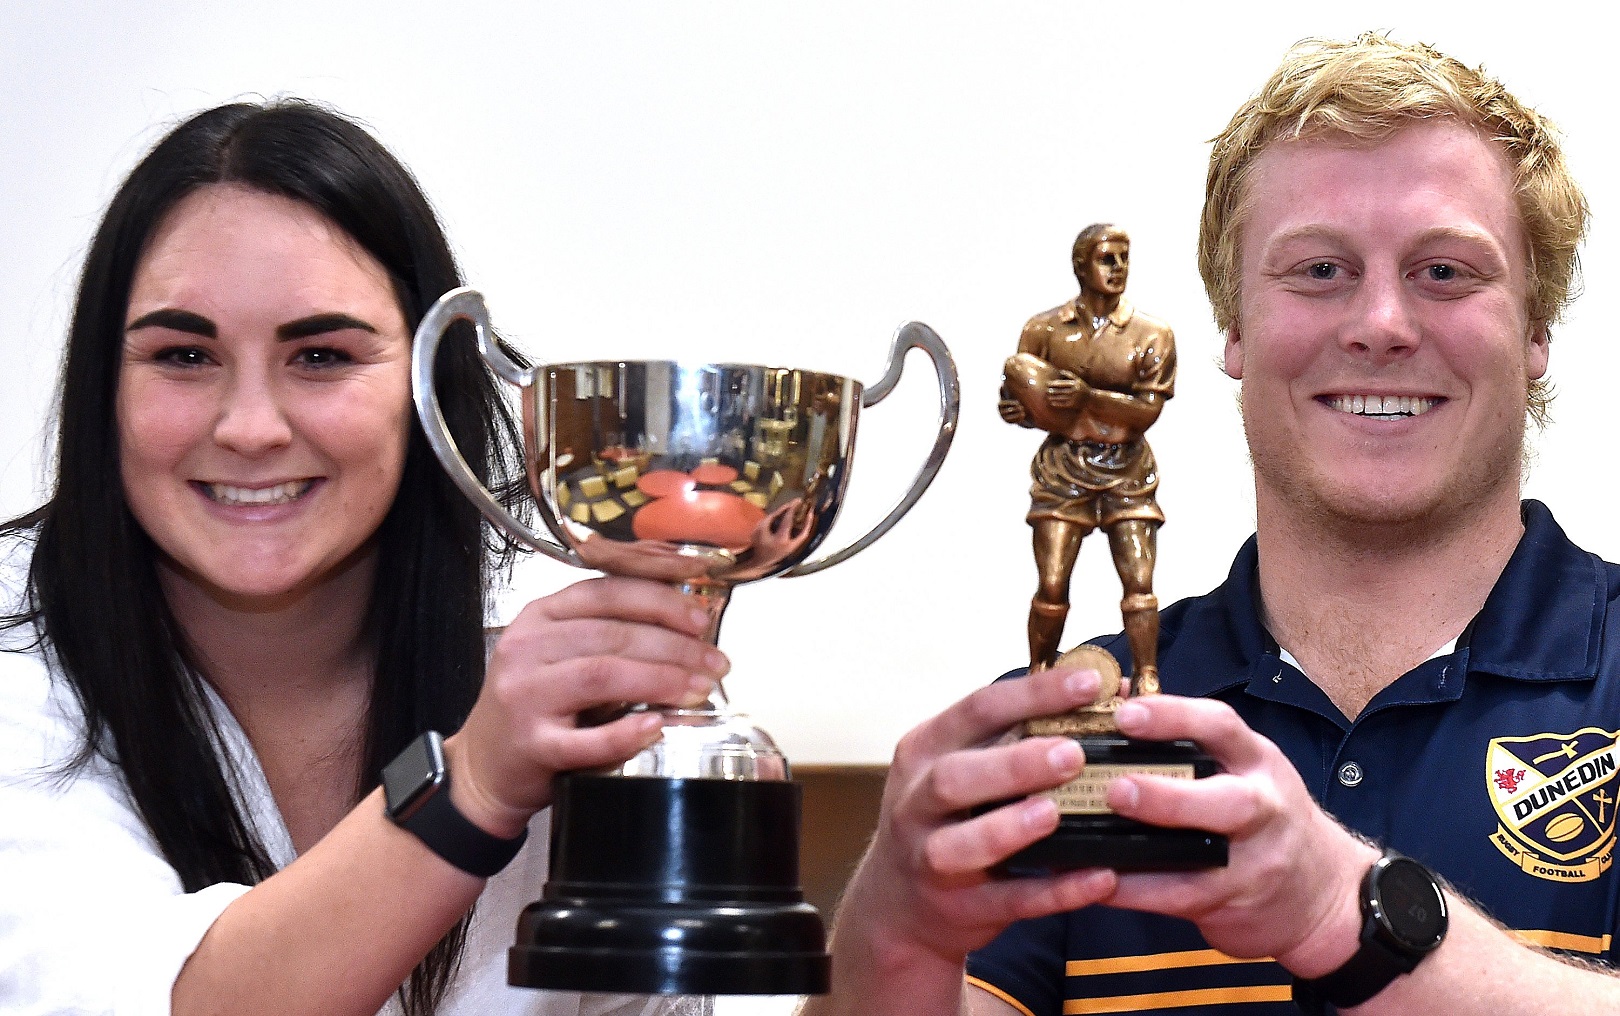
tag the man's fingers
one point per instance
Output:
(1221, 803)
(972, 777)
(990, 711)
(970, 846)
(1213, 725)
(1017, 899)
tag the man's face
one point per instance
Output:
(1106, 269)
(1383, 339)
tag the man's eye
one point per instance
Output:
(1442, 273)
(1323, 270)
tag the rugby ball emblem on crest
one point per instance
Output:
(1555, 797)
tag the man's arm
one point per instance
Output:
(1291, 888)
(1135, 413)
(922, 897)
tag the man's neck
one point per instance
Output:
(1097, 305)
(1359, 605)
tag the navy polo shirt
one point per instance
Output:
(1495, 765)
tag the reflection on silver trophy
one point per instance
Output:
(677, 872)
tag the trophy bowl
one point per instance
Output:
(677, 871)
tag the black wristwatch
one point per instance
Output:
(1403, 920)
(416, 786)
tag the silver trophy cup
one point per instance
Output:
(677, 872)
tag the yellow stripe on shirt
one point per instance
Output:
(1178, 999)
(992, 989)
(1158, 961)
(1565, 940)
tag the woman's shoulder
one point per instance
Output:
(16, 559)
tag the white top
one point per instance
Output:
(93, 920)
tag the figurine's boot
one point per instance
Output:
(1141, 614)
(1045, 630)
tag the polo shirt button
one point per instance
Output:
(1350, 774)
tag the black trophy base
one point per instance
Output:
(1106, 840)
(672, 887)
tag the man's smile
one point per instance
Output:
(1381, 407)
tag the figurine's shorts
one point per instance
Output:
(1094, 485)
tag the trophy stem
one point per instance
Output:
(714, 597)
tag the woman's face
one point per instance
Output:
(263, 398)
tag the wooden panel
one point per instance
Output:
(840, 812)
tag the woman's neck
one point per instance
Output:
(296, 674)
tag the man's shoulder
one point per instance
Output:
(1146, 326)
(1061, 316)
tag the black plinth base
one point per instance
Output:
(1111, 841)
(672, 887)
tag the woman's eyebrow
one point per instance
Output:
(317, 324)
(178, 320)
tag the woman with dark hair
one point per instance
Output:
(252, 588)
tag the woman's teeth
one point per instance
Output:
(281, 493)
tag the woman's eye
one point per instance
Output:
(1322, 271)
(183, 356)
(317, 356)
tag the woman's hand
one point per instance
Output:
(600, 642)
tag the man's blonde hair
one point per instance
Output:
(1364, 91)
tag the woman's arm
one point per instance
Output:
(339, 929)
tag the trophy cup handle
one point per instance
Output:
(467, 304)
(913, 335)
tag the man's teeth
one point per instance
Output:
(281, 493)
(1383, 405)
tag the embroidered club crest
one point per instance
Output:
(1554, 795)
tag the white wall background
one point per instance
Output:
(786, 183)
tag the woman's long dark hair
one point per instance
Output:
(93, 590)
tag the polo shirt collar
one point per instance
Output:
(1120, 317)
(1549, 585)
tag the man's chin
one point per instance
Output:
(1404, 517)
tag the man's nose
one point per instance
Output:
(1382, 325)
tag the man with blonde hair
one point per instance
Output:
(1409, 677)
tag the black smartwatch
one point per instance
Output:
(416, 786)
(1403, 920)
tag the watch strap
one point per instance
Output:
(452, 836)
(1363, 975)
(1375, 963)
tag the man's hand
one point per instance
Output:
(1067, 392)
(1012, 411)
(923, 897)
(1290, 890)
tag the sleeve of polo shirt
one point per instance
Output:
(1024, 965)
(1157, 371)
(93, 920)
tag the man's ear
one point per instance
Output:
(1536, 354)
(1234, 354)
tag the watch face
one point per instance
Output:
(1408, 904)
(412, 777)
